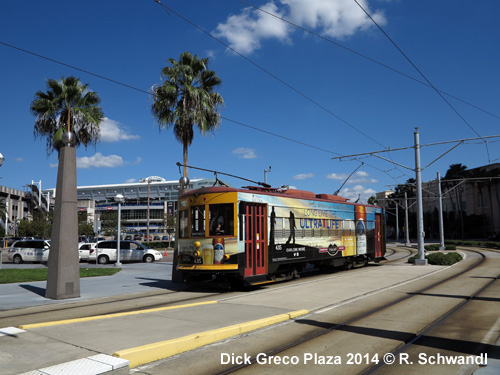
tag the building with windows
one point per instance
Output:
(471, 205)
(18, 205)
(146, 205)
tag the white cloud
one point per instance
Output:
(245, 153)
(357, 178)
(361, 177)
(245, 30)
(357, 191)
(335, 176)
(111, 132)
(303, 176)
(130, 180)
(99, 161)
(336, 19)
(19, 160)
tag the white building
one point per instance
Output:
(152, 194)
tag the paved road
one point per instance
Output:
(81, 339)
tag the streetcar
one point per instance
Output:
(257, 235)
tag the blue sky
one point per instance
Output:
(311, 99)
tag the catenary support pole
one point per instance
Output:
(441, 226)
(420, 211)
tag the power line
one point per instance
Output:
(268, 72)
(367, 57)
(424, 77)
(73, 67)
(149, 93)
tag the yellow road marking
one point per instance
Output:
(97, 317)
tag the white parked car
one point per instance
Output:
(29, 251)
(84, 250)
(130, 251)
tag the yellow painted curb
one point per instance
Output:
(153, 352)
(97, 317)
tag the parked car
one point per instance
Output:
(128, 237)
(84, 250)
(130, 251)
(137, 237)
(29, 251)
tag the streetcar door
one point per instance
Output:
(378, 235)
(255, 238)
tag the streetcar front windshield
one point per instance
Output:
(198, 221)
(221, 219)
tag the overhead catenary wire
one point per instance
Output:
(424, 77)
(367, 58)
(167, 9)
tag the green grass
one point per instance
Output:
(40, 274)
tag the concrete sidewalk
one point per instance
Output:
(40, 347)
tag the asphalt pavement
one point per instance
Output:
(114, 344)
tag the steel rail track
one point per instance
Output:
(338, 326)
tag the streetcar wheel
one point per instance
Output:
(348, 265)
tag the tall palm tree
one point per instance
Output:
(187, 98)
(67, 105)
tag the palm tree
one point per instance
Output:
(67, 105)
(187, 98)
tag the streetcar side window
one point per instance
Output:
(221, 219)
(198, 221)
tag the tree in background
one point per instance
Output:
(85, 228)
(187, 98)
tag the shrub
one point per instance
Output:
(440, 259)
(435, 247)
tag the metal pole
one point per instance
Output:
(407, 231)
(420, 210)
(265, 174)
(441, 226)
(397, 222)
(147, 227)
(118, 264)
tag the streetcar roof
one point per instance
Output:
(291, 193)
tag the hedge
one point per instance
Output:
(440, 259)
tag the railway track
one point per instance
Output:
(149, 300)
(452, 312)
(382, 345)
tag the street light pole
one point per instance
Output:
(120, 199)
(147, 228)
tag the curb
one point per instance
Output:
(152, 352)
